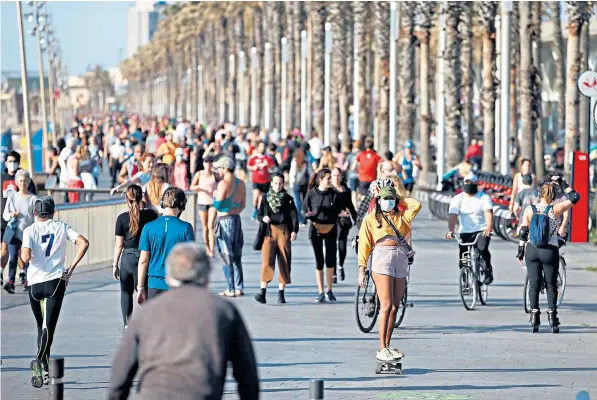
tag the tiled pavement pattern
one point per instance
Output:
(451, 353)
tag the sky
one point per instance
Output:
(89, 33)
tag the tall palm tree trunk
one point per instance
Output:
(382, 33)
(297, 26)
(468, 115)
(406, 75)
(292, 47)
(339, 111)
(558, 52)
(221, 67)
(527, 82)
(232, 62)
(194, 79)
(577, 16)
(487, 11)
(239, 42)
(360, 12)
(453, 81)
(274, 13)
(425, 17)
(317, 14)
(349, 29)
(514, 70)
(536, 13)
(260, 68)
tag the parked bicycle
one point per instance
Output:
(472, 275)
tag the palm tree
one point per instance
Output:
(382, 33)
(452, 84)
(360, 12)
(274, 11)
(468, 115)
(222, 68)
(339, 95)
(527, 82)
(536, 14)
(297, 25)
(424, 20)
(259, 45)
(558, 55)
(514, 69)
(317, 15)
(293, 47)
(406, 76)
(578, 14)
(487, 14)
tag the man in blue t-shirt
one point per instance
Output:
(157, 239)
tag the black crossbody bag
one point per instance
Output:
(405, 247)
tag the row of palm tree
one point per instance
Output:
(207, 33)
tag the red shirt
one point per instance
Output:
(474, 151)
(368, 161)
(261, 175)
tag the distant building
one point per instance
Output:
(142, 22)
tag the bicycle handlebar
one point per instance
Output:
(460, 242)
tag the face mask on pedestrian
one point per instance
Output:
(470, 188)
(178, 158)
(12, 166)
(387, 204)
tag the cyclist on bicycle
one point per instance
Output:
(539, 227)
(382, 236)
(473, 211)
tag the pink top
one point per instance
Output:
(207, 187)
(180, 176)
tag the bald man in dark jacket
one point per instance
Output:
(181, 341)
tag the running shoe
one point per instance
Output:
(239, 293)
(342, 274)
(37, 380)
(395, 353)
(260, 297)
(9, 287)
(254, 215)
(226, 294)
(384, 355)
(488, 275)
(320, 298)
(22, 277)
(331, 296)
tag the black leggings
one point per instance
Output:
(318, 241)
(542, 262)
(128, 281)
(482, 245)
(46, 301)
(343, 232)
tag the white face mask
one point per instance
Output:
(178, 158)
(12, 166)
(387, 205)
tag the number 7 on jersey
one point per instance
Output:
(50, 239)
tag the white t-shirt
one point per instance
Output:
(47, 241)
(471, 211)
(315, 146)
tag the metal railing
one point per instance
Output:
(96, 220)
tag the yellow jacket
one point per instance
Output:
(369, 233)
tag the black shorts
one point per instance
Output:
(409, 186)
(262, 187)
(364, 187)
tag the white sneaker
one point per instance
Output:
(384, 355)
(395, 353)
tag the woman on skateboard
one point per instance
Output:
(382, 235)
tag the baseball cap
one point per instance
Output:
(471, 177)
(44, 207)
(408, 144)
(386, 191)
(225, 162)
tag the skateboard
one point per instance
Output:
(389, 367)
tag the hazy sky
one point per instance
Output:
(89, 32)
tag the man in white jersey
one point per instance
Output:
(44, 248)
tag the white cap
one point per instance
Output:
(471, 177)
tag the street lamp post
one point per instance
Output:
(505, 86)
(242, 66)
(392, 103)
(254, 86)
(304, 49)
(268, 87)
(327, 83)
(284, 61)
(42, 83)
(51, 60)
(26, 120)
(441, 101)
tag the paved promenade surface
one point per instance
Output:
(451, 353)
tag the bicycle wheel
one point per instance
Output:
(402, 307)
(526, 298)
(482, 291)
(468, 288)
(561, 281)
(366, 305)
